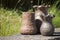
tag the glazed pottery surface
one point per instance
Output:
(39, 11)
(47, 29)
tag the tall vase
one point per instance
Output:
(28, 23)
(39, 11)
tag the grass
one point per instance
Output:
(56, 22)
(10, 22)
(56, 12)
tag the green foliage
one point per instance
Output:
(10, 22)
(56, 22)
(25, 5)
(54, 10)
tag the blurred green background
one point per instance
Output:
(11, 10)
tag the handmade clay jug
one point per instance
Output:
(39, 10)
(47, 26)
(28, 24)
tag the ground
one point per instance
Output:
(56, 36)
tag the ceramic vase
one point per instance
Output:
(28, 23)
(39, 11)
(47, 27)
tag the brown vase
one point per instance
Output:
(28, 23)
(47, 26)
(39, 11)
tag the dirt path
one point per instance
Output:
(33, 37)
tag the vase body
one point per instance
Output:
(47, 29)
(28, 23)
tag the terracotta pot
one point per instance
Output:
(47, 26)
(28, 23)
